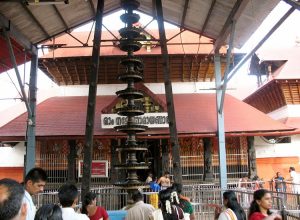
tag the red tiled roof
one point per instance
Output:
(291, 122)
(5, 61)
(195, 114)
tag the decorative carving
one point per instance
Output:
(208, 172)
(251, 158)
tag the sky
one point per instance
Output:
(241, 84)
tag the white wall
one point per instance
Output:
(285, 111)
(157, 88)
(266, 150)
(12, 156)
(19, 108)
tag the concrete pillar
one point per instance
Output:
(252, 168)
(113, 161)
(165, 156)
(208, 171)
(72, 161)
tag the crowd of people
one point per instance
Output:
(16, 203)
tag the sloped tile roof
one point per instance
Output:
(195, 114)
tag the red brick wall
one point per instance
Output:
(15, 173)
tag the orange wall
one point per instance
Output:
(267, 167)
(15, 173)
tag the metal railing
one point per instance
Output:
(192, 163)
(204, 197)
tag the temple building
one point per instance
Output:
(61, 119)
(279, 98)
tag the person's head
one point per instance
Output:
(137, 196)
(262, 202)
(89, 201)
(35, 181)
(167, 174)
(49, 212)
(278, 174)
(165, 199)
(150, 174)
(11, 200)
(68, 195)
(292, 169)
(230, 201)
(177, 187)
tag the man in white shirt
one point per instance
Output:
(12, 206)
(295, 180)
(34, 183)
(139, 210)
(68, 198)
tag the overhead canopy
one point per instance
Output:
(61, 117)
(209, 18)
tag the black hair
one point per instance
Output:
(88, 198)
(258, 195)
(166, 173)
(137, 196)
(164, 196)
(67, 194)
(292, 168)
(49, 212)
(35, 175)
(11, 199)
(177, 187)
(233, 204)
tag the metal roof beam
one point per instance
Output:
(245, 58)
(92, 7)
(293, 3)
(60, 16)
(186, 5)
(13, 60)
(208, 16)
(35, 20)
(228, 56)
(235, 13)
(16, 35)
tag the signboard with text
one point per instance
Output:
(99, 168)
(152, 120)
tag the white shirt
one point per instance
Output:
(295, 177)
(228, 214)
(31, 209)
(140, 211)
(70, 214)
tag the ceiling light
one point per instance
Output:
(46, 2)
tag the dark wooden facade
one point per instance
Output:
(275, 94)
(183, 68)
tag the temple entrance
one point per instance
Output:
(153, 156)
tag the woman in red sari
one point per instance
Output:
(261, 205)
(90, 208)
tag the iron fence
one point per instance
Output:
(191, 162)
(204, 197)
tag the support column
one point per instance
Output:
(208, 171)
(169, 95)
(91, 106)
(252, 169)
(113, 161)
(31, 123)
(72, 161)
(220, 120)
(165, 157)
